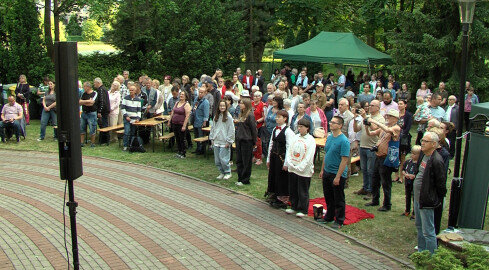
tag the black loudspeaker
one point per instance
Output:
(68, 110)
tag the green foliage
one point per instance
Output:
(289, 39)
(104, 66)
(73, 27)
(476, 257)
(21, 50)
(302, 36)
(427, 46)
(185, 38)
(91, 31)
(472, 257)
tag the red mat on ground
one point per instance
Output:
(352, 214)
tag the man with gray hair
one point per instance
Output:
(429, 190)
(103, 109)
(152, 97)
(344, 112)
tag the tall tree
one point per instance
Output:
(427, 46)
(169, 38)
(259, 16)
(21, 46)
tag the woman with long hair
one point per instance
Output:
(405, 122)
(49, 110)
(23, 95)
(178, 120)
(222, 137)
(246, 135)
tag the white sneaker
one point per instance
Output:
(124, 149)
(220, 176)
(40, 140)
(239, 184)
(416, 248)
(227, 176)
(300, 215)
(230, 163)
(290, 211)
(354, 174)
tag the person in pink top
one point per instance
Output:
(317, 115)
(423, 91)
(114, 101)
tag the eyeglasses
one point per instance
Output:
(332, 122)
(426, 141)
(373, 105)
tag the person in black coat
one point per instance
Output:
(429, 190)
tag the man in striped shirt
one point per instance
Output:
(131, 113)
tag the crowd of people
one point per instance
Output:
(278, 123)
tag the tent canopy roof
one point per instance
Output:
(334, 47)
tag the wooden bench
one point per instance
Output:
(203, 140)
(120, 136)
(166, 138)
(112, 128)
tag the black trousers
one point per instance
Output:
(419, 137)
(299, 192)
(381, 177)
(452, 138)
(335, 198)
(466, 120)
(244, 158)
(437, 217)
(408, 190)
(180, 138)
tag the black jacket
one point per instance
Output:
(434, 186)
(102, 101)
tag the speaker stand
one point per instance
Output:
(74, 237)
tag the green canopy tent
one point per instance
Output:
(334, 47)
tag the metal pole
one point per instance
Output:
(457, 180)
(74, 237)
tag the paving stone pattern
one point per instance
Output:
(137, 217)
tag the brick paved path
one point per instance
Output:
(136, 217)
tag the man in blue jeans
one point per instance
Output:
(200, 115)
(131, 112)
(88, 101)
(334, 172)
(429, 190)
(367, 157)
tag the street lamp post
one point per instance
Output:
(467, 8)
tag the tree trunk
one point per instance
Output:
(56, 20)
(371, 40)
(48, 39)
(250, 22)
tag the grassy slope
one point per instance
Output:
(387, 231)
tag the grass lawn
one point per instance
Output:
(388, 231)
(85, 48)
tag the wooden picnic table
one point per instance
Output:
(109, 129)
(150, 122)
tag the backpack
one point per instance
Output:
(136, 145)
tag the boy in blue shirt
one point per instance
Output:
(334, 172)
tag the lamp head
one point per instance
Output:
(467, 8)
